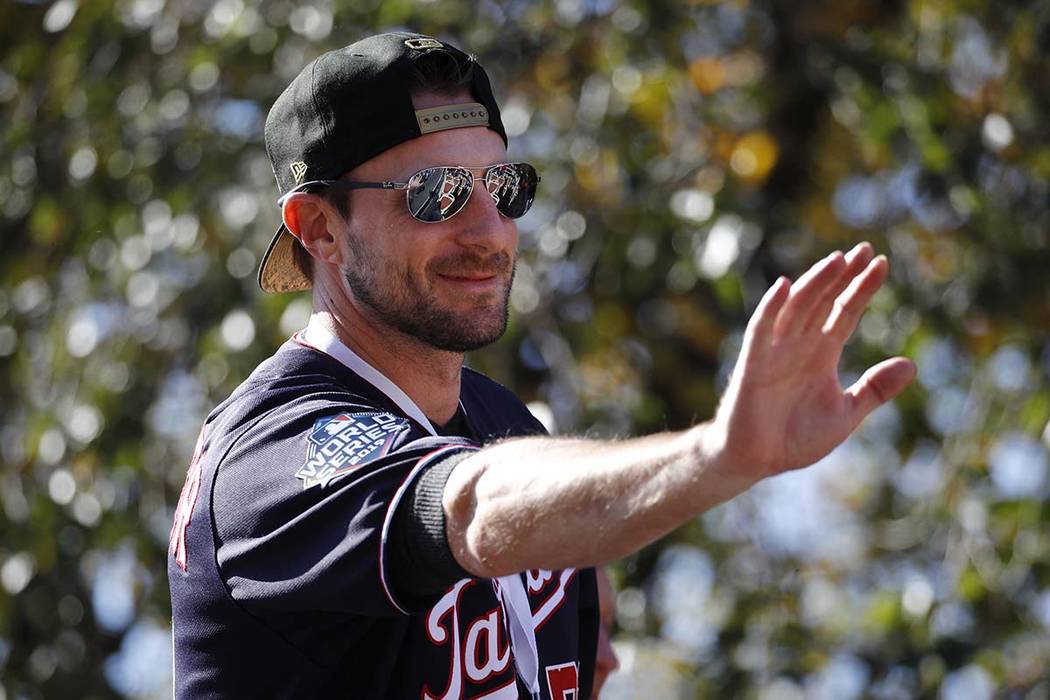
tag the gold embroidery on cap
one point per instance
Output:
(425, 43)
(451, 116)
(298, 171)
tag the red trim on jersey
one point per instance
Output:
(187, 499)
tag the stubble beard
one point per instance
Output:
(401, 302)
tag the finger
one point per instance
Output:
(850, 305)
(806, 292)
(760, 328)
(856, 260)
(878, 385)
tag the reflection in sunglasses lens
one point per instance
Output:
(437, 194)
(513, 187)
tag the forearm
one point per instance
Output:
(556, 502)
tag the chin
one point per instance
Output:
(468, 342)
(472, 335)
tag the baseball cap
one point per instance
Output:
(348, 106)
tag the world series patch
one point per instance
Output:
(339, 444)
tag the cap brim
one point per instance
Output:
(279, 271)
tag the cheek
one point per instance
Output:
(397, 255)
(371, 241)
(513, 236)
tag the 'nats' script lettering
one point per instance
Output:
(538, 581)
(485, 652)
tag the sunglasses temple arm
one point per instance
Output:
(344, 185)
(371, 185)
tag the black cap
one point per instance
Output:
(348, 106)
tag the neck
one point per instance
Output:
(430, 377)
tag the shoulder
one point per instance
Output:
(295, 368)
(489, 390)
(300, 420)
(481, 382)
(295, 385)
(495, 408)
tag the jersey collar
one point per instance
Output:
(317, 336)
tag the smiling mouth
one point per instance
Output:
(471, 273)
(469, 277)
(472, 284)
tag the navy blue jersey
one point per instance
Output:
(278, 565)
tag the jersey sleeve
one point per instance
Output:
(302, 504)
(418, 562)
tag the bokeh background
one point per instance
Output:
(690, 153)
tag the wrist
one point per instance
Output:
(722, 474)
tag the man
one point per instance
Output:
(364, 517)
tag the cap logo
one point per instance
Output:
(424, 43)
(298, 171)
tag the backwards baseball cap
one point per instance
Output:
(348, 106)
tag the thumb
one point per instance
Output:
(878, 385)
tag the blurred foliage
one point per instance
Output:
(691, 152)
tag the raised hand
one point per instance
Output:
(784, 407)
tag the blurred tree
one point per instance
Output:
(691, 152)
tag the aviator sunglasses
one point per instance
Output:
(439, 193)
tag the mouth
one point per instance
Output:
(475, 275)
(468, 276)
(472, 282)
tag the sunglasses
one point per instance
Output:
(439, 193)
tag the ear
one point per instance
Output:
(314, 223)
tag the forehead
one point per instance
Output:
(468, 145)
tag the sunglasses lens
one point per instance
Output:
(436, 194)
(513, 187)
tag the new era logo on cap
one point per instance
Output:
(298, 171)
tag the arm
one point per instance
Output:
(555, 502)
(551, 503)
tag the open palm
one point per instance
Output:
(784, 407)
